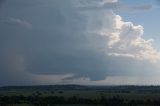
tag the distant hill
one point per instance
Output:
(46, 87)
(152, 89)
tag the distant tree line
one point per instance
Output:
(52, 100)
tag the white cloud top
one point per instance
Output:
(123, 38)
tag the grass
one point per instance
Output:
(82, 94)
(20, 105)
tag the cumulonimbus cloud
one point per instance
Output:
(124, 38)
(71, 43)
(127, 40)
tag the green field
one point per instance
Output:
(81, 94)
(80, 97)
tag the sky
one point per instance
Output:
(88, 42)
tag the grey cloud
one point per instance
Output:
(101, 7)
(117, 6)
(58, 44)
(15, 21)
(1, 2)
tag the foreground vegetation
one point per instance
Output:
(80, 96)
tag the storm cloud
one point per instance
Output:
(61, 38)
